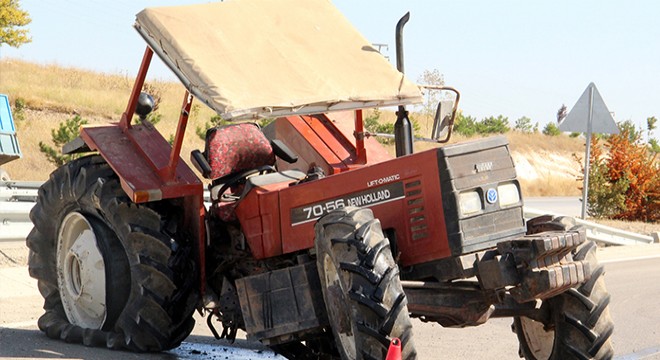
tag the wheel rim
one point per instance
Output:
(540, 341)
(339, 311)
(81, 273)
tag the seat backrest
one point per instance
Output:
(237, 147)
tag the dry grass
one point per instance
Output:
(87, 93)
(54, 94)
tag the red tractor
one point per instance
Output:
(314, 243)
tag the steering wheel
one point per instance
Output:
(242, 177)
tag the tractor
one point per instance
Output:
(313, 241)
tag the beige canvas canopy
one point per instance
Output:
(263, 58)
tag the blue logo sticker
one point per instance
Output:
(491, 196)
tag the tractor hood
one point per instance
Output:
(267, 58)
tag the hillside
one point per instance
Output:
(52, 94)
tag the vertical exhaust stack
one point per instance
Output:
(403, 136)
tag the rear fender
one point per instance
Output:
(139, 156)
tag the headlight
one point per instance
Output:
(509, 194)
(470, 202)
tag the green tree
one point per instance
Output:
(19, 109)
(524, 125)
(12, 19)
(628, 127)
(216, 120)
(66, 132)
(650, 124)
(493, 125)
(465, 125)
(371, 121)
(551, 129)
(373, 125)
(606, 198)
(265, 122)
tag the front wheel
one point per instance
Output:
(112, 273)
(580, 325)
(363, 295)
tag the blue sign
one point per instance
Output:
(491, 196)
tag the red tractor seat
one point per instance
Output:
(234, 148)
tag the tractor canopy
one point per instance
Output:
(266, 58)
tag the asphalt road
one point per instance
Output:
(633, 282)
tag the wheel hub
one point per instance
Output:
(539, 339)
(72, 275)
(339, 309)
(81, 273)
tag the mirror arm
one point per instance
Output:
(454, 110)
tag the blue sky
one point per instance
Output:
(515, 58)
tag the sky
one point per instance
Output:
(510, 58)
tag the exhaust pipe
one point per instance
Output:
(403, 131)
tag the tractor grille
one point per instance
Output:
(415, 209)
(478, 168)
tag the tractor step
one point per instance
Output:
(278, 304)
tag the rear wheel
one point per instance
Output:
(112, 273)
(579, 325)
(361, 287)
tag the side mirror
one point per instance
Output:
(442, 119)
(144, 106)
(445, 114)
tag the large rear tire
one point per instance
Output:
(361, 287)
(580, 325)
(112, 273)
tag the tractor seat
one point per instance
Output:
(231, 155)
(235, 148)
(232, 149)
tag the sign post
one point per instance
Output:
(589, 115)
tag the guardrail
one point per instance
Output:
(17, 199)
(15, 222)
(19, 190)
